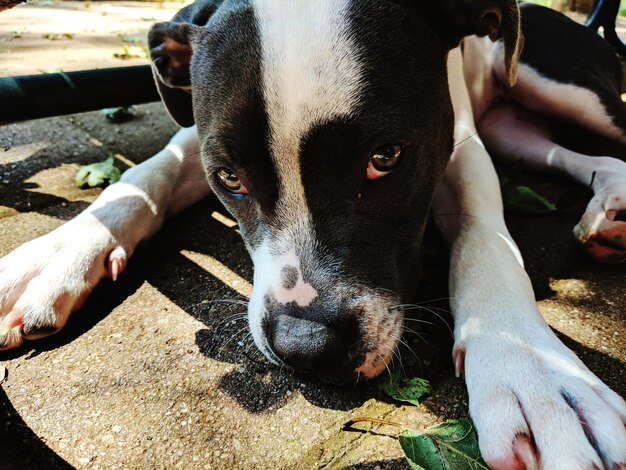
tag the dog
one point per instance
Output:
(330, 129)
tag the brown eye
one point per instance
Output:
(384, 161)
(230, 181)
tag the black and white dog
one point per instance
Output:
(328, 129)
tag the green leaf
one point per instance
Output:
(132, 52)
(521, 199)
(98, 174)
(127, 38)
(452, 445)
(118, 115)
(409, 390)
(524, 200)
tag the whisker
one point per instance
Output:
(231, 339)
(431, 301)
(433, 311)
(418, 320)
(419, 335)
(455, 214)
(458, 144)
(235, 318)
(230, 301)
(259, 362)
(399, 340)
(396, 353)
(209, 303)
(386, 365)
(241, 344)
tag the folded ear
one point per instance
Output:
(171, 51)
(455, 19)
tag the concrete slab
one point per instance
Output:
(44, 35)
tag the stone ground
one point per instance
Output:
(154, 372)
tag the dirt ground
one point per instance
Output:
(153, 372)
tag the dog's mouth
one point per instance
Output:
(355, 341)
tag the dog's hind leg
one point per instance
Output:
(567, 72)
(45, 280)
(513, 134)
(534, 403)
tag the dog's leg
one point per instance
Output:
(512, 134)
(534, 403)
(46, 279)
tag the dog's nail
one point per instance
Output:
(525, 452)
(115, 269)
(459, 361)
(117, 262)
(13, 320)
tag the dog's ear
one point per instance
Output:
(171, 51)
(455, 19)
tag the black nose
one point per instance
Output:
(304, 344)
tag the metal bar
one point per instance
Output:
(610, 26)
(6, 4)
(605, 14)
(38, 96)
(596, 17)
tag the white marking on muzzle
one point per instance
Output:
(268, 280)
(302, 293)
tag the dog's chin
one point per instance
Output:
(365, 366)
(373, 366)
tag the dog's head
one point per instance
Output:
(325, 127)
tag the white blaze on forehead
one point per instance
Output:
(311, 75)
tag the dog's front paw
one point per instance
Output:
(536, 405)
(45, 280)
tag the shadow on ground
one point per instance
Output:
(177, 315)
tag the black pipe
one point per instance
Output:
(605, 13)
(55, 94)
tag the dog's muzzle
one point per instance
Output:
(339, 340)
(314, 339)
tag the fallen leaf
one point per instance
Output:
(17, 33)
(98, 174)
(405, 389)
(523, 200)
(57, 36)
(452, 445)
(130, 39)
(119, 115)
(132, 52)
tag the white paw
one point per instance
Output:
(45, 280)
(602, 229)
(536, 405)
